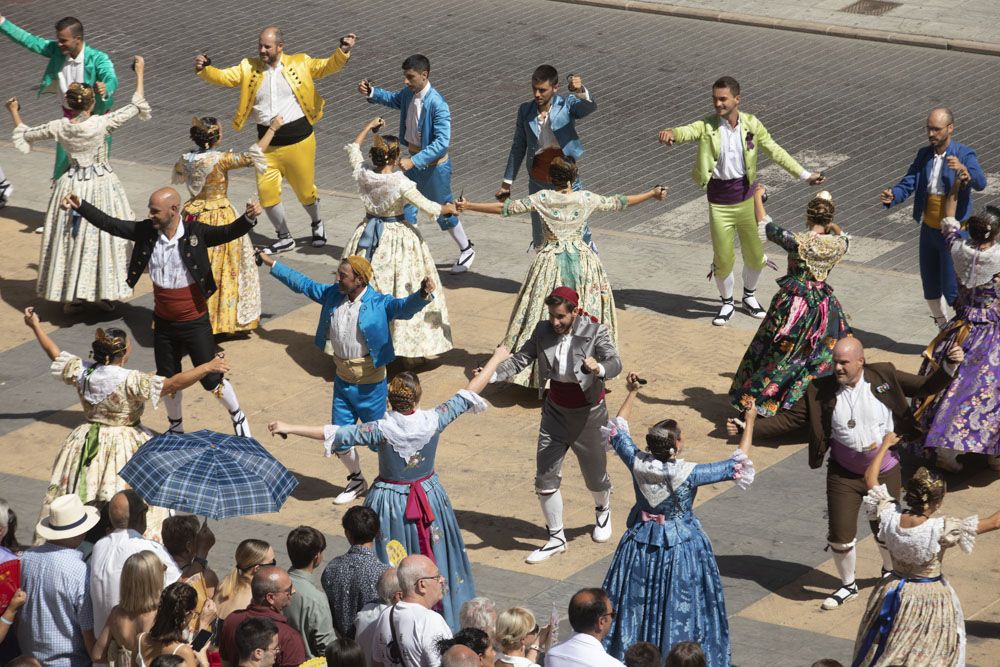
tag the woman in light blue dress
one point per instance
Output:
(663, 581)
(412, 505)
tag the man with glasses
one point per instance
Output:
(271, 590)
(408, 631)
(257, 643)
(591, 617)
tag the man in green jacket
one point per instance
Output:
(726, 166)
(70, 60)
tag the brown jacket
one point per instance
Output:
(815, 409)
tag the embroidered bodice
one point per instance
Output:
(206, 173)
(811, 256)
(110, 395)
(917, 551)
(385, 195)
(84, 141)
(978, 270)
(564, 215)
(406, 444)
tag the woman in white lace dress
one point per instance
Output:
(913, 616)
(78, 262)
(397, 251)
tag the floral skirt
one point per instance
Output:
(792, 347)
(235, 306)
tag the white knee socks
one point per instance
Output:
(602, 499)
(845, 558)
(313, 210)
(351, 461)
(276, 214)
(175, 414)
(232, 404)
(750, 278)
(725, 284)
(458, 233)
(552, 510)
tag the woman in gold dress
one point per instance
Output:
(235, 307)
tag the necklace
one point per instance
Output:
(850, 422)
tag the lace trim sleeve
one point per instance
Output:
(877, 499)
(329, 433)
(744, 471)
(611, 430)
(478, 405)
(67, 367)
(961, 532)
(355, 158)
(257, 158)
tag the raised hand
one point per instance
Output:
(632, 382)
(590, 365)
(31, 317)
(13, 105)
(364, 87)
(376, 124)
(666, 137)
(960, 169)
(201, 61)
(347, 42)
(427, 285)
(574, 83)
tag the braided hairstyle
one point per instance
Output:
(79, 97)
(205, 131)
(563, 171)
(384, 150)
(662, 440)
(819, 211)
(924, 489)
(176, 601)
(404, 392)
(984, 225)
(109, 345)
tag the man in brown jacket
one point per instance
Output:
(849, 413)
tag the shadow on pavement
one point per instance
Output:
(301, 348)
(667, 303)
(508, 533)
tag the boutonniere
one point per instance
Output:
(193, 241)
(749, 141)
(882, 388)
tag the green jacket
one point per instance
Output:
(706, 133)
(97, 65)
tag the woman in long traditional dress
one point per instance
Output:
(965, 417)
(80, 263)
(794, 344)
(395, 248)
(565, 259)
(913, 616)
(235, 306)
(411, 503)
(663, 579)
(113, 399)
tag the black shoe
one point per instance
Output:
(283, 244)
(319, 234)
(725, 313)
(840, 596)
(752, 305)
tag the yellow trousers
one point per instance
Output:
(297, 163)
(726, 221)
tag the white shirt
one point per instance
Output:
(730, 163)
(418, 629)
(71, 72)
(934, 185)
(166, 268)
(872, 419)
(413, 114)
(562, 370)
(365, 626)
(106, 563)
(275, 98)
(580, 649)
(346, 338)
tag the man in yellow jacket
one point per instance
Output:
(726, 166)
(278, 84)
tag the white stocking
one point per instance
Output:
(175, 414)
(552, 509)
(232, 404)
(351, 460)
(751, 278)
(276, 214)
(845, 558)
(458, 233)
(602, 498)
(725, 284)
(313, 210)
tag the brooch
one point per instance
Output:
(882, 388)
(749, 141)
(193, 241)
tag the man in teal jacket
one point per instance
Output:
(726, 166)
(70, 60)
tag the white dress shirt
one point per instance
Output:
(71, 72)
(346, 338)
(730, 163)
(580, 649)
(935, 186)
(166, 268)
(106, 563)
(562, 370)
(275, 98)
(413, 115)
(872, 419)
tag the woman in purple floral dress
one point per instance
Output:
(965, 417)
(794, 343)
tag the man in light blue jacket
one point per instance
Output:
(546, 128)
(354, 328)
(425, 128)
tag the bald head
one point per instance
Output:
(940, 127)
(388, 587)
(127, 510)
(118, 511)
(942, 115)
(270, 44)
(459, 656)
(271, 587)
(848, 360)
(164, 205)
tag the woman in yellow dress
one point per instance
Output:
(235, 307)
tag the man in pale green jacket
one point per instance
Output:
(70, 60)
(726, 166)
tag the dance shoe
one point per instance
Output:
(280, 246)
(840, 596)
(602, 524)
(356, 485)
(725, 313)
(752, 306)
(465, 259)
(319, 234)
(555, 545)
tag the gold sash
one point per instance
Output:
(358, 371)
(933, 210)
(414, 149)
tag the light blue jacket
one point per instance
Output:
(376, 311)
(435, 122)
(563, 114)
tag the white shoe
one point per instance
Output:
(40, 230)
(725, 313)
(356, 485)
(555, 545)
(279, 246)
(465, 259)
(840, 596)
(947, 459)
(6, 190)
(752, 306)
(602, 524)
(319, 234)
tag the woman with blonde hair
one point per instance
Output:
(233, 593)
(141, 585)
(519, 638)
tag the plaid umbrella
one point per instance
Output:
(209, 473)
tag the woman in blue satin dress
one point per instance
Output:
(412, 505)
(663, 580)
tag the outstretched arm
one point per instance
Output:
(283, 429)
(34, 43)
(658, 193)
(481, 379)
(750, 418)
(374, 125)
(496, 208)
(48, 345)
(222, 234)
(185, 379)
(632, 383)
(114, 226)
(872, 472)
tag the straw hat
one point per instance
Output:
(68, 517)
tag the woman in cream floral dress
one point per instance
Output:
(113, 399)
(235, 306)
(78, 262)
(396, 250)
(915, 607)
(565, 259)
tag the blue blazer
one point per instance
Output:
(376, 311)
(563, 114)
(919, 174)
(435, 122)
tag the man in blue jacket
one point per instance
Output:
(354, 328)
(931, 176)
(425, 128)
(546, 128)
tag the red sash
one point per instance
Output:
(418, 509)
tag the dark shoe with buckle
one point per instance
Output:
(319, 234)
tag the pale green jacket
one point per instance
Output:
(706, 133)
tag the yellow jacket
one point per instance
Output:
(299, 70)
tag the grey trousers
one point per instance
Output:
(578, 429)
